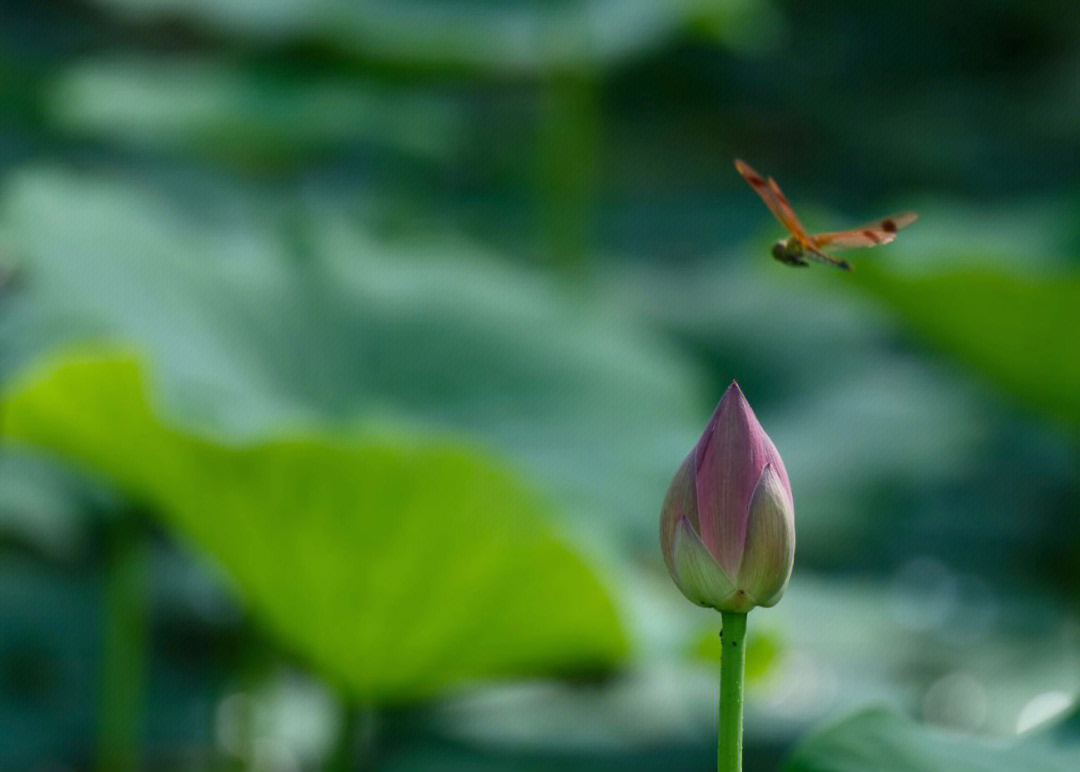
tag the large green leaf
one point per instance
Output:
(1021, 332)
(881, 741)
(399, 567)
(257, 311)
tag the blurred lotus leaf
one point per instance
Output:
(255, 115)
(883, 741)
(397, 567)
(500, 38)
(257, 313)
(1019, 332)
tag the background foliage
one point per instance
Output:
(348, 349)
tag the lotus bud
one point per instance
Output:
(727, 527)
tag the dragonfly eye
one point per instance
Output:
(779, 250)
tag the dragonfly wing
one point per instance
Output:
(879, 232)
(765, 189)
(787, 214)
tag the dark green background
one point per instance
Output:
(430, 299)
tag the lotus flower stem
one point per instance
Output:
(727, 532)
(729, 731)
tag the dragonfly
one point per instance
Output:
(800, 245)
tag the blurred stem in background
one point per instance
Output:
(357, 747)
(567, 145)
(239, 726)
(729, 733)
(126, 633)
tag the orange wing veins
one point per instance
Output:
(879, 232)
(762, 187)
(788, 218)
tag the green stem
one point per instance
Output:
(568, 151)
(344, 755)
(357, 747)
(729, 731)
(125, 650)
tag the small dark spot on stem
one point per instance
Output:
(889, 225)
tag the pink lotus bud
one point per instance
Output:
(727, 527)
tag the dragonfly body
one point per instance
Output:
(801, 247)
(790, 252)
